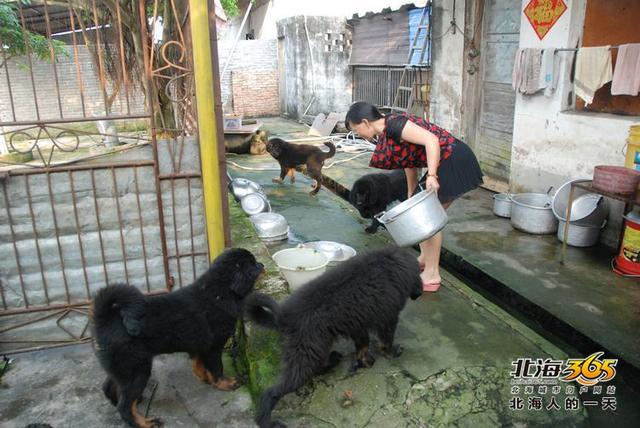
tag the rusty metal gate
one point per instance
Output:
(100, 178)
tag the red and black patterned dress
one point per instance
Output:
(458, 169)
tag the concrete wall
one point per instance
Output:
(177, 207)
(264, 14)
(313, 76)
(447, 66)
(551, 142)
(250, 85)
(46, 94)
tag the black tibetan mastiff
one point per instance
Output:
(365, 293)
(372, 193)
(129, 329)
(289, 156)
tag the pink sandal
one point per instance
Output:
(431, 287)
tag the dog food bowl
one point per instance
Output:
(241, 187)
(334, 251)
(270, 225)
(255, 203)
(300, 265)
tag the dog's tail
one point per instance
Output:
(332, 150)
(263, 310)
(119, 304)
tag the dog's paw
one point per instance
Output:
(277, 180)
(394, 352)
(155, 423)
(226, 384)
(278, 424)
(368, 360)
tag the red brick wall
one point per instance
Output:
(255, 93)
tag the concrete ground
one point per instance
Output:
(458, 345)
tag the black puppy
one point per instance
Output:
(372, 193)
(289, 156)
(365, 293)
(129, 329)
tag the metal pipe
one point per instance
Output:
(235, 42)
(203, 74)
(152, 124)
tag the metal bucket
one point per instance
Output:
(414, 220)
(579, 235)
(502, 205)
(531, 213)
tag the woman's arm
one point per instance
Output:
(412, 133)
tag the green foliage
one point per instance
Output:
(230, 7)
(15, 41)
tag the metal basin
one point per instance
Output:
(241, 187)
(531, 213)
(414, 220)
(270, 225)
(255, 203)
(588, 209)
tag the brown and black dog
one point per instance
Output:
(289, 156)
(129, 329)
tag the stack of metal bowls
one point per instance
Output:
(589, 213)
(271, 227)
(251, 196)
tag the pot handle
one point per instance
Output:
(379, 215)
(550, 189)
(604, 224)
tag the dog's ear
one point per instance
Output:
(131, 320)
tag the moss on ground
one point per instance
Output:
(258, 349)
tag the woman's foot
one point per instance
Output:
(430, 283)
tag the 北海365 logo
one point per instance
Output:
(589, 371)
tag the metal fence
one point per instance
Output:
(378, 85)
(78, 211)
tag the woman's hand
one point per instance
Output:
(432, 183)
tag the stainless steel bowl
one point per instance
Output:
(334, 251)
(269, 225)
(255, 203)
(241, 187)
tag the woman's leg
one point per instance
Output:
(430, 256)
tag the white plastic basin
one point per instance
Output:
(300, 265)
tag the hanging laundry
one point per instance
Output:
(549, 71)
(593, 70)
(525, 77)
(626, 76)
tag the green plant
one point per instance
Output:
(230, 7)
(17, 41)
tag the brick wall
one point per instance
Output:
(250, 85)
(255, 93)
(43, 93)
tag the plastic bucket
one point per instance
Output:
(300, 265)
(627, 262)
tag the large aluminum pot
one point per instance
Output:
(531, 213)
(580, 236)
(414, 220)
(588, 209)
(502, 205)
